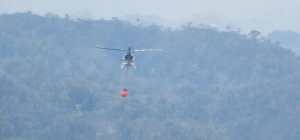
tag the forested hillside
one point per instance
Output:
(287, 39)
(205, 85)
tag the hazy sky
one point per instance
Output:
(264, 15)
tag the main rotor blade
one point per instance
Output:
(111, 49)
(148, 50)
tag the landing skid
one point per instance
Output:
(128, 66)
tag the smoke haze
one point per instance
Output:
(264, 15)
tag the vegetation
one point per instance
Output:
(206, 84)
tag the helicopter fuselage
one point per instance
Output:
(128, 60)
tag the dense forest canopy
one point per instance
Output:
(287, 39)
(207, 84)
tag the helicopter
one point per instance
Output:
(128, 59)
